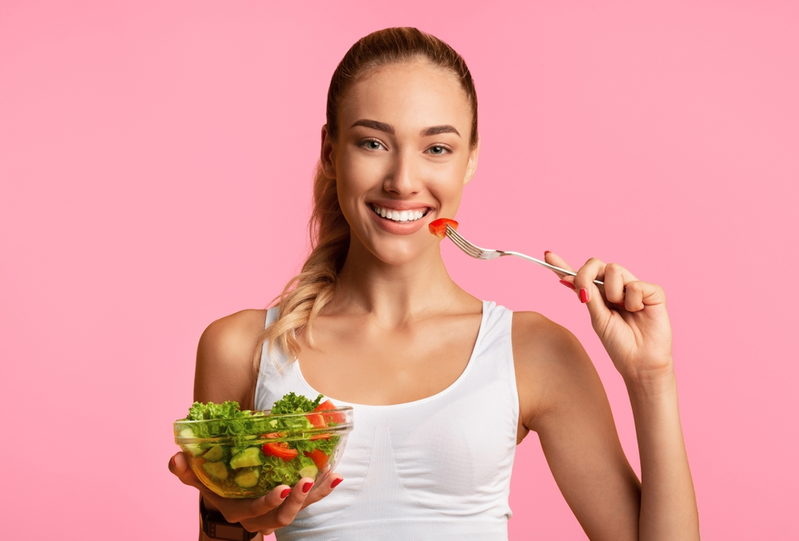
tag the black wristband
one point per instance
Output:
(216, 527)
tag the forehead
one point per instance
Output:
(410, 95)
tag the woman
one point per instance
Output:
(444, 385)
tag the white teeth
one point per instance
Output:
(397, 215)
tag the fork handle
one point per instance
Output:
(547, 265)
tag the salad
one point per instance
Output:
(243, 453)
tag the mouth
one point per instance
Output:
(400, 216)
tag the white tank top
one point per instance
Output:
(436, 468)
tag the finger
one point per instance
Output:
(250, 511)
(322, 488)
(594, 269)
(283, 515)
(587, 290)
(556, 260)
(642, 294)
(565, 279)
(179, 466)
(616, 278)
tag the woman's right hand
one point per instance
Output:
(265, 514)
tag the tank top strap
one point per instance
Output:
(271, 316)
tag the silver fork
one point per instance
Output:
(486, 254)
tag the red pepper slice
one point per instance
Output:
(337, 417)
(439, 227)
(318, 457)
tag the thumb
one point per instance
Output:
(179, 467)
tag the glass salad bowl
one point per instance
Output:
(251, 453)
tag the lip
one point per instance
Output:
(399, 228)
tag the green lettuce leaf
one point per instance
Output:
(292, 403)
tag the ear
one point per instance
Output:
(326, 157)
(471, 167)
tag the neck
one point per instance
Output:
(394, 293)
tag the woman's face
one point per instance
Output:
(401, 158)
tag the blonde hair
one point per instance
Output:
(306, 294)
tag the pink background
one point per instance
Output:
(155, 163)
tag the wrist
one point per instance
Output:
(653, 383)
(213, 525)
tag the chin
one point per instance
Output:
(399, 252)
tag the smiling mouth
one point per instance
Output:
(399, 216)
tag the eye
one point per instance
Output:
(438, 150)
(372, 144)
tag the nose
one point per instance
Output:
(402, 179)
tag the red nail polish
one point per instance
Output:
(583, 295)
(306, 487)
(285, 493)
(546, 252)
(568, 284)
(174, 462)
(335, 483)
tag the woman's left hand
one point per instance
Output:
(628, 315)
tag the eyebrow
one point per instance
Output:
(388, 128)
(375, 125)
(435, 130)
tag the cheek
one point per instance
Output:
(353, 186)
(447, 184)
(357, 174)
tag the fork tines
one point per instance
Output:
(463, 244)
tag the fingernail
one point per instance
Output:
(285, 493)
(306, 487)
(583, 295)
(174, 462)
(568, 284)
(335, 483)
(546, 252)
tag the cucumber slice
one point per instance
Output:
(217, 470)
(215, 453)
(309, 471)
(247, 478)
(251, 456)
(193, 448)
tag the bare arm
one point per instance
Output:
(569, 410)
(562, 399)
(225, 371)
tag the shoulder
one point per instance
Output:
(551, 366)
(230, 334)
(226, 357)
(538, 340)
